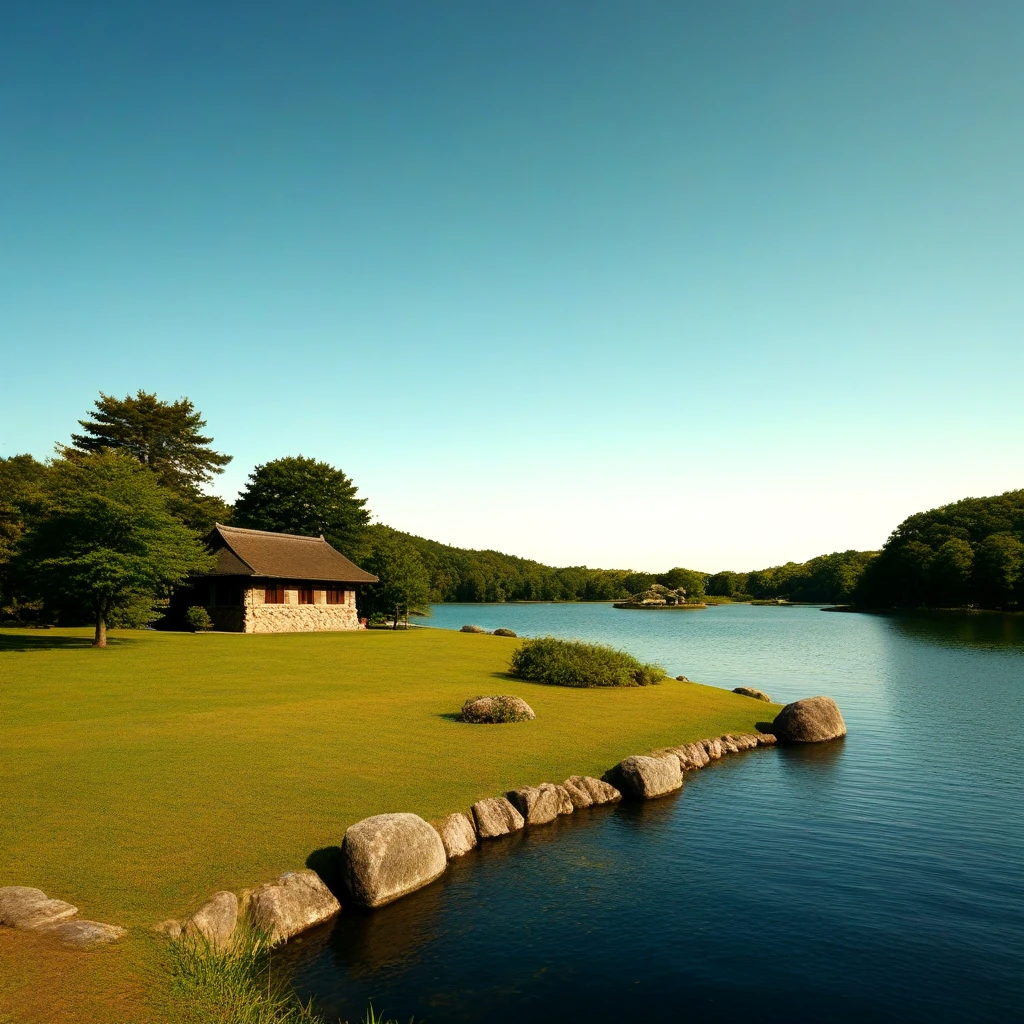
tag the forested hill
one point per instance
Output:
(461, 574)
(967, 553)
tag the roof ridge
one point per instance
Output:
(268, 533)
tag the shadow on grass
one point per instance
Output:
(41, 642)
(452, 716)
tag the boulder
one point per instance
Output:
(458, 836)
(749, 691)
(388, 856)
(585, 791)
(171, 928)
(696, 756)
(495, 710)
(472, 629)
(682, 679)
(296, 902)
(537, 804)
(645, 778)
(766, 739)
(495, 817)
(87, 934)
(812, 720)
(24, 907)
(504, 632)
(727, 745)
(214, 921)
(713, 748)
(564, 800)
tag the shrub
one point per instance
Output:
(504, 632)
(571, 663)
(198, 619)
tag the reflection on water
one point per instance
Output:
(879, 877)
(987, 630)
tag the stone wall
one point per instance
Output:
(292, 617)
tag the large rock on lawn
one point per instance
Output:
(537, 804)
(504, 632)
(495, 817)
(458, 834)
(749, 691)
(389, 856)
(645, 778)
(585, 791)
(296, 902)
(812, 720)
(472, 629)
(214, 921)
(495, 710)
(87, 934)
(24, 907)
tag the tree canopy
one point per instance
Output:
(165, 436)
(303, 496)
(404, 583)
(104, 541)
(970, 552)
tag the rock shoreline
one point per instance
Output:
(388, 856)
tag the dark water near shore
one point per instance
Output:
(881, 877)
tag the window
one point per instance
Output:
(274, 594)
(305, 595)
(335, 595)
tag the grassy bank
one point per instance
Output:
(138, 780)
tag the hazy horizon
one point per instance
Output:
(633, 288)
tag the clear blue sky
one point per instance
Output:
(712, 284)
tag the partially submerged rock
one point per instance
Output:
(496, 710)
(297, 901)
(537, 804)
(585, 791)
(458, 835)
(713, 748)
(21, 906)
(388, 856)
(812, 720)
(215, 921)
(645, 778)
(749, 691)
(766, 739)
(495, 817)
(87, 934)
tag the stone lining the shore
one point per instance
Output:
(388, 856)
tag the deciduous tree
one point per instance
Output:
(105, 539)
(301, 495)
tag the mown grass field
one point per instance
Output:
(135, 781)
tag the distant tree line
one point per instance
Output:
(106, 529)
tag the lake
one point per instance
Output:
(880, 877)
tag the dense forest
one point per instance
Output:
(100, 531)
(968, 554)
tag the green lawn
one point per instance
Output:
(137, 780)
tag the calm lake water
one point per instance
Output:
(879, 878)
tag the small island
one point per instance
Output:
(660, 597)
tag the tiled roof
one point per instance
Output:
(282, 556)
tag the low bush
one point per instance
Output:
(571, 663)
(198, 619)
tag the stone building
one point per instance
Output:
(278, 583)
